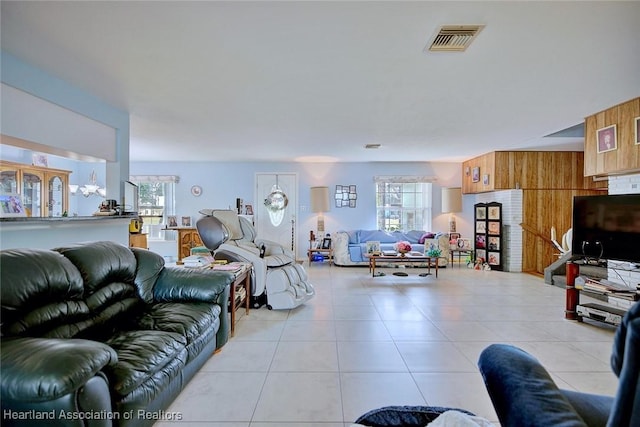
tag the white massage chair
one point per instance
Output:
(277, 276)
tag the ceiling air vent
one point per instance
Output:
(454, 38)
(372, 146)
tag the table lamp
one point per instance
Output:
(320, 204)
(451, 203)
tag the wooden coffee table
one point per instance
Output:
(408, 259)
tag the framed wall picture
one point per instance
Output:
(494, 258)
(494, 243)
(346, 196)
(494, 227)
(464, 244)
(494, 212)
(637, 127)
(606, 139)
(453, 239)
(485, 179)
(481, 212)
(39, 159)
(481, 226)
(372, 247)
(475, 174)
(11, 205)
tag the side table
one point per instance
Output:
(323, 252)
(459, 252)
(236, 295)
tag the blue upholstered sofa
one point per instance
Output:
(349, 247)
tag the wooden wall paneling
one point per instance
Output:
(569, 170)
(611, 116)
(503, 171)
(549, 181)
(590, 158)
(530, 170)
(549, 170)
(626, 159)
(493, 171)
(486, 163)
(529, 217)
(543, 209)
(629, 152)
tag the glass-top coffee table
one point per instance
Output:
(407, 259)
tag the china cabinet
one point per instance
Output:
(44, 191)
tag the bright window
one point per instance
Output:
(403, 206)
(156, 201)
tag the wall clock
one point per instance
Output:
(196, 190)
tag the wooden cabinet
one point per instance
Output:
(625, 158)
(187, 238)
(138, 240)
(44, 191)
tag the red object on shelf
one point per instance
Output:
(573, 294)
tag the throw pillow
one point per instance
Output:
(426, 236)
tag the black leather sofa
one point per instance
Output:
(98, 334)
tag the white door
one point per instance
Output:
(277, 221)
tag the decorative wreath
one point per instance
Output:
(276, 200)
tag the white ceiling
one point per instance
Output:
(316, 81)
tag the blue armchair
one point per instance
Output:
(523, 394)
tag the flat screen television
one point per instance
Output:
(607, 227)
(130, 198)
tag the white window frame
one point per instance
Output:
(155, 231)
(423, 202)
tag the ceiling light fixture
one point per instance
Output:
(88, 189)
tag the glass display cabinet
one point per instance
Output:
(44, 191)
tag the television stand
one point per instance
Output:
(601, 313)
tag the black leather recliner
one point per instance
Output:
(99, 334)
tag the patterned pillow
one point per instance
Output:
(426, 236)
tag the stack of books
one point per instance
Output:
(618, 295)
(232, 266)
(240, 295)
(235, 267)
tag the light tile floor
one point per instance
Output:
(365, 342)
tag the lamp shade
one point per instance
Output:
(319, 199)
(451, 199)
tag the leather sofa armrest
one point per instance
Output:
(45, 369)
(185, 284)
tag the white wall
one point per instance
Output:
(511, 219)
(28, 117)
(223, 182)
(48, 111)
